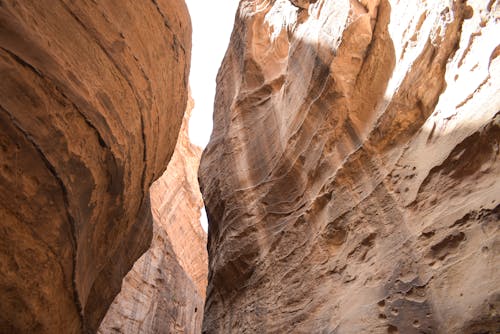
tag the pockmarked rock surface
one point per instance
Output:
(352, 180)
(165, 290)
(92, 96)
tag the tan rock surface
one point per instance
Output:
(352, 181)
(91, 101)
(157, 295)
(176, 204)
(165, 290)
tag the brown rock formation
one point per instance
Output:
(165, 290)
(176, 203)
(352, 181)
(157, 295)
(91, 101)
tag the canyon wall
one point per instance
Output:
(352, 180)
(176, 203)
(165, 290)
(92, 96)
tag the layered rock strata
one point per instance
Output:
(176, 203)
(165, 290)
(352, 180)
(92, 96)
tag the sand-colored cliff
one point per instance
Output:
(352, 178)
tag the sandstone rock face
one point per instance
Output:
(352, 181)
(176, 203)
(165, 290)
(92, 96)
(157, 295)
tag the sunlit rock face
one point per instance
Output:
(165, 290)
(176, 203)
(352, 181)
(92, 95)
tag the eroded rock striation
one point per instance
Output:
(92, 96)
(352, 181)
(165, 290)
(176, 203)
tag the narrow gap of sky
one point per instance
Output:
(212, 23)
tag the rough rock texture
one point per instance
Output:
(352, 181)
(165, 290)
(176, 203)
(91, 101)
(157, 295)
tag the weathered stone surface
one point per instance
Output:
(176, 203)
(157, 295)
(165, 290)
(91, 101)
(352, 181)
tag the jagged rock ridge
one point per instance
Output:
(91, 101)
(165, 290)
(352, 177)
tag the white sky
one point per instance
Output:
(212, 23)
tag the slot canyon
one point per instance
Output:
(351, 181)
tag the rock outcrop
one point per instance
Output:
(92, 96)
(165, 290)
(176, 203)
(352, 181)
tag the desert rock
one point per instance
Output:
(92, 96)
(165, 290)
(176, 203)
(352, 181)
